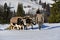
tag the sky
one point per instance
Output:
(15, 2)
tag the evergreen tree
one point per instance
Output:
(20, 11)
(44, 5)
(48, 9)
(55, 12)
(40, 3)
(7, 13)
(55, 1)
(32, 0)
(35, 0)
(1, 13)
(1, 10)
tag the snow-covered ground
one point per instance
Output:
(14, 3)
(48, 32)
(3, 26)
(45, 26)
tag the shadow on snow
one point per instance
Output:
(43, 26)
(54, 27)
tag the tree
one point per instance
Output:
(35, 0)
(1, 9)
(7, 13)
(55, 12)
(48, 9)
(55, 1)
(31, 0)
(40, 2)
(20, 11)
(1, 13)
(44, 5)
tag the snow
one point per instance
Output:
(14, 3)
(45, 26)
(52, 25)
(30, 35)
(49, 31)
(3, 26)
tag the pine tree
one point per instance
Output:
(55, 13)
(20, 11)
(7, 13)
(48, 9)
(44, 5)
(40, 2)
(1, 14)
(55, 1)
